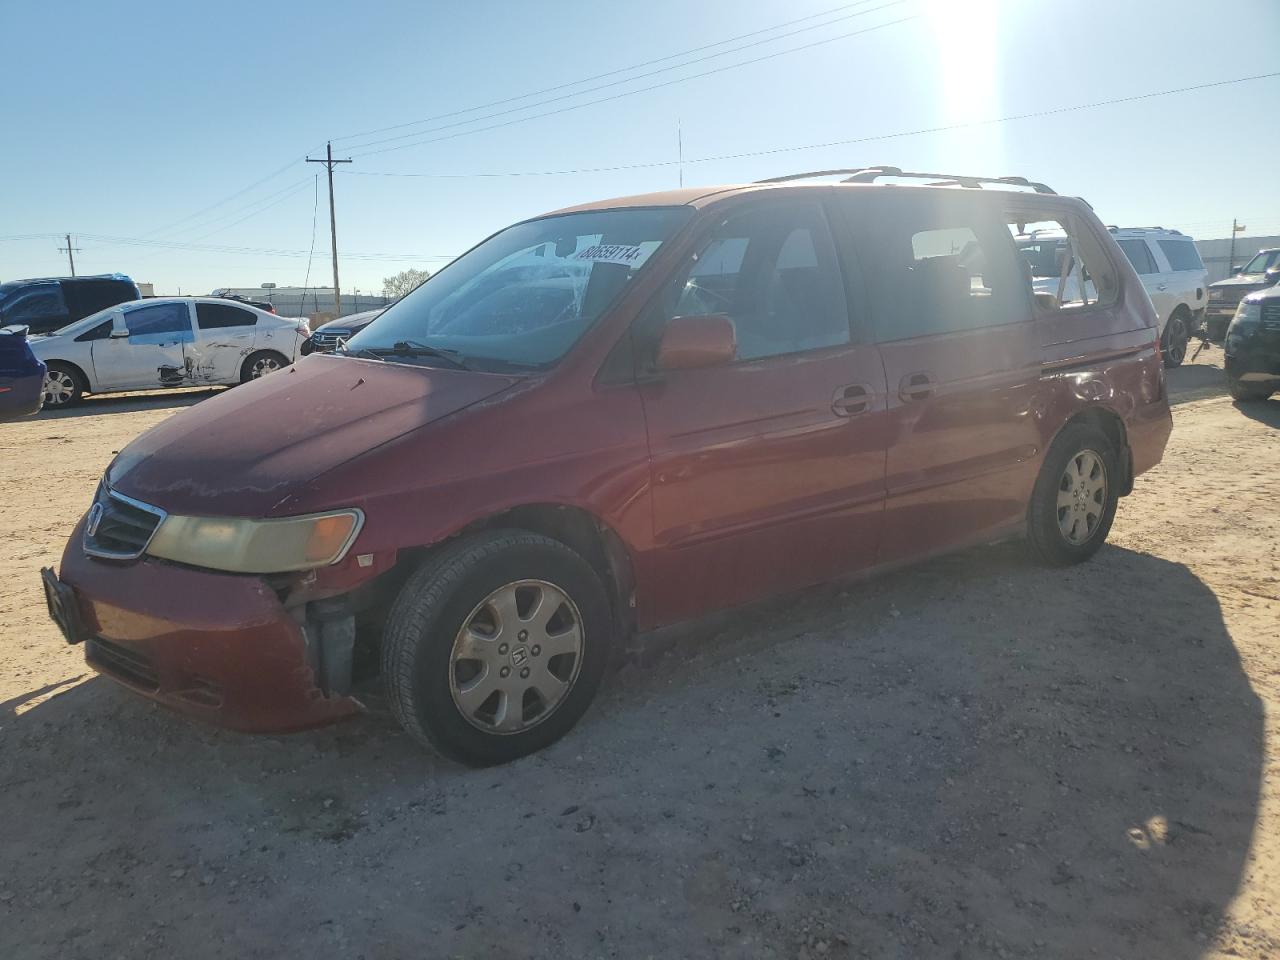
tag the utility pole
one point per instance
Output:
(680, 149)
(328, 161)
(1231, 260)
(70, 251)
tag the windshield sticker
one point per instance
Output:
(630, 256)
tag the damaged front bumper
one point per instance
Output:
(219, 647)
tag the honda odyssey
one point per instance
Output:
(610, 418)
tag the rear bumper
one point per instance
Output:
(218, 647)
(1148, 431)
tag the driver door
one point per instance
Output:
(145, 349)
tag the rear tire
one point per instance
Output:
(64, 385)
(261, 363)
(461, 658)
(1075, 497)
(1177, 334)
(1247, 393)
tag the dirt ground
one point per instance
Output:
(974, 758)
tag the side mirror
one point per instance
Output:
(701, 341)
(1237, 268)
(117, 333)
(1273, 275)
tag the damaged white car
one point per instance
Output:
(165, 342)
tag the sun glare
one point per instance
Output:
(966, 39)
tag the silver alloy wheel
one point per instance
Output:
(1082, 497)
(263, 366)
(59, 388)
(516, 657)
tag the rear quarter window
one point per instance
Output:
(1182, 254)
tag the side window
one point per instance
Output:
(159, 321)
(86, 297)
(937, 262)
(773, 271)
(1182, 254)
(214, 316)
(1139, 255)
(40, 301)
(1064, 263)
(99, 331)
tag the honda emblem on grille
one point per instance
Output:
(95, 518)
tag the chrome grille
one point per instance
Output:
(119, 527)
(1271, 313)
(326, 340)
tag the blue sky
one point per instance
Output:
(148, 120)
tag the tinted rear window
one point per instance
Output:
(1138, 254)
(213, 316)
(1182, 254)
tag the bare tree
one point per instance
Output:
(404, 282)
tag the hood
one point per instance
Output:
(1241, 280)
(242, 452)
(353, 321)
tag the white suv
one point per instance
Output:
(1174, 277)
(1167, 262)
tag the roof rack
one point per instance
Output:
(1176, 233)
(871, 174)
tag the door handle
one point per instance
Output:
(1162, 286)
(916, 386)
(851, 401)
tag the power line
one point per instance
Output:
(833, 143)
(169, 227)
(109, 240)
(315, 208)
(226, 199)
(613, 83)
(619, 96)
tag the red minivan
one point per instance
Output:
(611, 418)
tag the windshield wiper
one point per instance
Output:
(413, 348)
(362, 352)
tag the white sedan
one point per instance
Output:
(165, 342)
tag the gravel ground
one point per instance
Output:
(974, 758)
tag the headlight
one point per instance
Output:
(1248, 318)
(257, 546)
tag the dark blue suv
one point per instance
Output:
(45, 305)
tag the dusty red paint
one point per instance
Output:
(724, 484)
(224, 648)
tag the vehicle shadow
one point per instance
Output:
(1265, 411)
(96, 406)
(973, 758)
(1204, 378)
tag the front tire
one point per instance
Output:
(1075, 497)
(1177, 334)
(1247, 393)
(261, 363)
(495, 646)
(63, 385)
